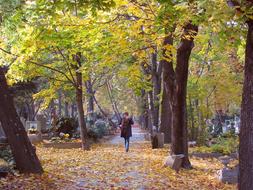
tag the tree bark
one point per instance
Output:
(166, 112)
(66, 109)
(166, 116)
(151, 111)
(114, 104)
(90, 101)
(104, 113)
(144, 109)
(79, 103)
(156, 79)
(176, 84)
(24, 154)
(246, 131)
(59, 103)
(80, 111)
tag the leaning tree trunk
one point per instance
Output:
(114, 104)
(246, 131)
(24, 154)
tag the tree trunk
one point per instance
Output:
(156, 79)
(166, 112)
(73, 115)
(66, 109)
(79, 102)
(151, 111)
(104, 113)
(246, 135)
(80, 111)
(144, 109)
(89, 90)
(176, 84)
(166, 116)
(24, 154)
(59, 103)
(191, 109)
(114, 104)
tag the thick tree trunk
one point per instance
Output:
(246, 131)
(24, 154)
(176, 83)
(166, 109)
(179, 117)
(166, 116)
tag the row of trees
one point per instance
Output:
(81, 48)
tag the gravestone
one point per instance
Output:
(160, 137)
(157, 140)
(174, 162)
(42, 122)
(32, 125)
(147, 136)
(229, 175)
(35, 138)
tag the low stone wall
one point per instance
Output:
(65, 145)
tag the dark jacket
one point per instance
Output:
(126, 128)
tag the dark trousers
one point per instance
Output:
(127, 143)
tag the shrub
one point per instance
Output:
(224, 145)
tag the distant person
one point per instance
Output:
(126, 129)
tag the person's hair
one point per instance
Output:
(126, 113)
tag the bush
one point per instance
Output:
(65, 125)
(6, 154)
(224, 145)
(98, 130)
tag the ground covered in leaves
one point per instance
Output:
(108, 166)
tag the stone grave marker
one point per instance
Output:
(42, 122)
(174, 162)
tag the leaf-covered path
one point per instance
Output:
(108, 166)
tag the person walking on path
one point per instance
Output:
(126, 129)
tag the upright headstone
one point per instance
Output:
(227, 175)
(32, 125)
(42, 122)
